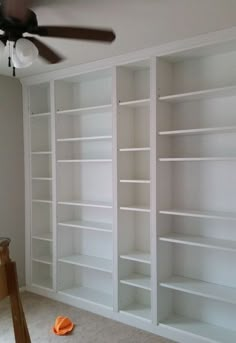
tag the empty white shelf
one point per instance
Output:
(42, 201)
(201, 214)
(95, 226)
(197, 95)
(43, 259)
(91, 262)
(213, 333)
(81, 139)
(138, 311)
(199, 241)
(201, 288)
(134, 149)
(134, 181)
(38, 115)
(135, 208)
(43, 236)
(135, 103)
(44, 283)
(90, 295)
(137, 256)
(138, 280)
(90, 109)
(209, 130)
(195, 159)
(86, 204)
(102, 160)
(41, 152)
(42, 178)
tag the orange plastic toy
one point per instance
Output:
(62, 326)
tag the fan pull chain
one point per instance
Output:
(14, 72)
(9, 58)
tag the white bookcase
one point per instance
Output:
(133, 165)
(41, 186)
(196, 216)
(130, 189)
(84, 184)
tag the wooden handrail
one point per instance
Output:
(9, 287)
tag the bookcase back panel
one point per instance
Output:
(41, 189)
(198, 263)
(127, 268)
(91, 182)
(85, 150)
(207, 113)
(133, 296)
(133, 127)
(134, 165)
(42, 250)
(76, 277)
(42, 274)
(41, 134)
(41, 218)
(194, 74)
(40, 98)
(75, 213)
(41, 166)
(134, 232)
(83, 92)
(205, 310)
(84, 125)
(134, 82)
(203, 227)
(84, 242)
(204, 186)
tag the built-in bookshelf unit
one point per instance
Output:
(196, 216)
(84, 187)
(40, 123)
(134, 183)
(130, 188)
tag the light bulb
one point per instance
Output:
(25, 52)
(16, 62)
(2, 48)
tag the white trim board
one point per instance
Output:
(203, 40)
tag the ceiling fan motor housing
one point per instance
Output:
(14, 28)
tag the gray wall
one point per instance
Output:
(12, 170)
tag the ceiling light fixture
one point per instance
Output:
(2, 48)
(16, 20)
(22, 53)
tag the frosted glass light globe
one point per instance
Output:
(16, 61)
(25, 52)
(2, 48)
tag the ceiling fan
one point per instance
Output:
(19, 25)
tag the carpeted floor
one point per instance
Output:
(90, 328)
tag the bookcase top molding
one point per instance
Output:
(222, 40)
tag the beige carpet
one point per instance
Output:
(90, 328)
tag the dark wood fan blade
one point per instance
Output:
(17, 9)
(75, 33)
(45, 52)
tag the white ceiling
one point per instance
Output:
(138, 24)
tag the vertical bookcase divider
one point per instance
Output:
(41, 191)
(115, 190)
(27, 165)
(54, 184)
(153, 187)
(135, 202)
